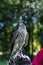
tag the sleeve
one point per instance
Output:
(38, 59)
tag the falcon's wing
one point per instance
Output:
(26, 40)
(13, 39)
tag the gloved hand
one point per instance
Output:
(23, 60)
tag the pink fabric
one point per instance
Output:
(38, 59)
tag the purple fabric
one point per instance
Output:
(38, 59)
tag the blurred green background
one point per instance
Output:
(11, 13)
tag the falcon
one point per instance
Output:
(19, 40)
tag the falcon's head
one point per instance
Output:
(22, 26)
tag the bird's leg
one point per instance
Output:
(20, 53)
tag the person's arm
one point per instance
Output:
(38, 59)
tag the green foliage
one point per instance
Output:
(3, 62)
